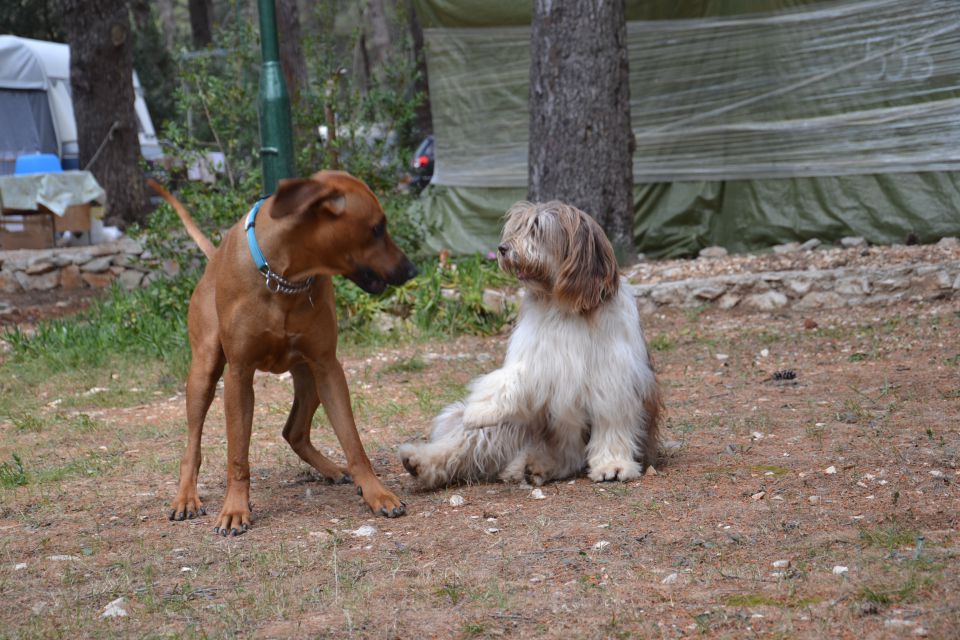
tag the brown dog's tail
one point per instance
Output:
(192, 229)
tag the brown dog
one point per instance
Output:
(282, 318)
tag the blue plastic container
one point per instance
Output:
(38, 163)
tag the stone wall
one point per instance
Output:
(96, 266)
(810, 289)
(127, 263)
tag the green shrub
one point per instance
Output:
(149, 322)
(13, 475)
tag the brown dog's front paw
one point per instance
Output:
(186, 507)
(382, 501)
(234, 518)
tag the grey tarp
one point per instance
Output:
(757, 121)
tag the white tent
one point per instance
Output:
(36, 110)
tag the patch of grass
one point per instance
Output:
(906, 591)
(890, 536)
(83, 423)
(769, 337)
(769, 468)
(454, 592)
(858, 356)
(471, 629)
(761, 600)
(88, 465)
(444, 300)
(751, 600)
(408, 365)
(431, 399)
(13, 475)
(27, 422)
(661, 342)
(149, 322)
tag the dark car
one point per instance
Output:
(422, 165)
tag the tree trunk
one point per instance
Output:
(424, 117)
(101, 66)
(581, 143)
(292, 60)
(165, 9)
(201, 25)
(378, 36)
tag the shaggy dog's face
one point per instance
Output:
(557, 250)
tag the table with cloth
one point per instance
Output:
(35, 206)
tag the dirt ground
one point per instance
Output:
(845, 477)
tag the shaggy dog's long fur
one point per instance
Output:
(576, 388)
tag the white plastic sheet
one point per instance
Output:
(834, 88)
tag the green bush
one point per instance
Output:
(149, 322)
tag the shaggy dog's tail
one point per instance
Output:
(192, 229)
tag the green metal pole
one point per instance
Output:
(276, 131)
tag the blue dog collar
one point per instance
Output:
(274, 281)
(255, 251)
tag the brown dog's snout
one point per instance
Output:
(406, 270)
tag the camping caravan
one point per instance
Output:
(36, 110)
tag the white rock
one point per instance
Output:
(839, 570)
(830, 470)
(789, 247)
(721, 357)
(758, 495)
(186, 569)
(492, 530)
(115, 609)
(601, 545)
(537, 494)
(764, 353)
(756, 435)
(810, 244)
(63, 558)
(813, 499)
(365, 531)
(781, 564)
(713, 252)
(456, 500)
(766, 301)
(853, 241)
(671, 579)
(20, 566)
(936, 473)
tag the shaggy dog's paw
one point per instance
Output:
(613, 469)
(535, 475)
(408, 458)
(481, 413)
(424, 465)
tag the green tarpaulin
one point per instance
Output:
(757, 121)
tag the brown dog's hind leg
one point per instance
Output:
(297, 430)
(332, 388)
(234, 518)
(201, 387)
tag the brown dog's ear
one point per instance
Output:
(298, 195)
(588, 275)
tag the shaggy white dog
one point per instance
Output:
(576, 388)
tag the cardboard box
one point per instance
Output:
(77, 218)
(26, 230)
